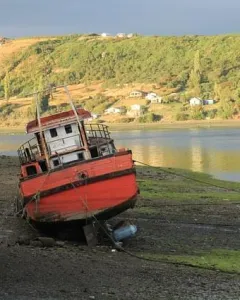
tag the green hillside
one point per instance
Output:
(207, 65)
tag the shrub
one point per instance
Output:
(226, 111)
(212, 113)
(44, 103)
(127, 120)
(197, 113)
(6, 109)
(149, 118)
(181, 117)
(184, 108)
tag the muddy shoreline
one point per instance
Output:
(74, 271)
(150, 126)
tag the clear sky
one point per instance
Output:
(149, 17)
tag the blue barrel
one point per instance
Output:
(125, 232)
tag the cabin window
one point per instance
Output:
(113, 148)
(94, 152)
(104, 150)
(31, 170)
(56, 162)
(53, 132)
(27, 154)
(43, 165)
(68, 129)
(80, 156)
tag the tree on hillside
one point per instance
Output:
(225, 92)
(237, 95)
(226, 95)
(216, 91)
(195, 75)
(7, 90)
(197, 66)
(43, 96)
(40, 84)
(44, 102)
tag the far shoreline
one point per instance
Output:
(147, 126)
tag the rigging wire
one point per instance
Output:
(190, 178)
(144, 258)
(121, 248)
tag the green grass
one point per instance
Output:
(164, 62)
(217, 259)
(168, 186)
(158, 187)
(140, 59)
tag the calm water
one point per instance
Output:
(213, 151)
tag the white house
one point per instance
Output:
(154, 98)
(121, 35)
(208, 102)
(136, 107)
(114, 110)
(105, 34)
(130, 35)
(93, 117)
(136, 110)
(2, 40)
(137, 94)
(196, 101)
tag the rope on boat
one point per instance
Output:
(35, 197)
(83, 201)
(120, 247)
(164, 261)
(189, 178)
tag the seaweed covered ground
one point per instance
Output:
(187, 246)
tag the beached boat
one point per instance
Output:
(72, 171)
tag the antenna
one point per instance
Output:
(83, 134)
(36, 97)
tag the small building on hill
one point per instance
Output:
(93, 117)
(115, 110)
(154, 98)
(3, 40)
(136, 107)
(105, 34)
(208, 102)
(137, 94)
(121, 35)
(136, 110)
(196, 101)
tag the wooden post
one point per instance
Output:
(85, 144)
(41, 133)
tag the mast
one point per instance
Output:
(42, 140)
(85, 143)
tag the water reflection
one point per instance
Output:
(10, 143)
(214, 151)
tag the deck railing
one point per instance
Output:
(97, 134)
(98, 131)
(28, 151)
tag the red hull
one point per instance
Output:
(101, 188)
